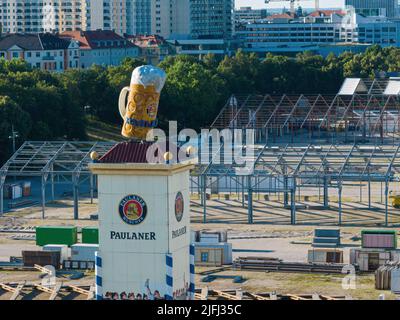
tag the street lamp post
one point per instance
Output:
(14, 136)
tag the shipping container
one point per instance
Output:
(83, 252)
(90, 235)
(386, 239)
(62, 248)
(41, 258)
(209, 257)
(226, 248)
(370, 259)
(13, 191)
(325, 256)
(56, 235)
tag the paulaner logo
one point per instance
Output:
(132, 209)
(227, 146)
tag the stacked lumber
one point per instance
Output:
(262, 264)
(209, 294)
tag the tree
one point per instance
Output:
(12, 115)
(240, 72)
(192, 94)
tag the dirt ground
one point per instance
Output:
(279, 240)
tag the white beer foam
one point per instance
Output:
(149, 75)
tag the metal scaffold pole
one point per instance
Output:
(91, 188)
(52, 185)
(43, 193)
(369, 191)
(340, 202)
(326, 193)
(204, 185)
(250, 200)
(386, 202)
(1, 196)
(76, 196)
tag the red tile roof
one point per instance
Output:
(325, 13)
(133, 152)
(99, 39)
(281, 16)
(147, 41)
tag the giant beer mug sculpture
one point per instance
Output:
(140, 113)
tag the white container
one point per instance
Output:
(83, 251)
(353, 256)
(63, 249)
(225, 246)
(395, 255)
(209, 237)
(16, 191)
(395, 281)
(316, 256)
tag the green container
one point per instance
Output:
(390, 232)
(56, 235)
(90, 235)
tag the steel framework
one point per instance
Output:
(65, 160)
(286, 169)
(363, 110)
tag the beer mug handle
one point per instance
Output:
(122, 101)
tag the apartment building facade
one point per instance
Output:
(212, 18)
(314, 31)
(194, 19)
(386, 8)
(101, 47)
(43, 51)
(250, 14)
(33, 16)
(357, 28)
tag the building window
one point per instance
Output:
(204, 257)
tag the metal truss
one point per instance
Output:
(363, 110)
(65, 160)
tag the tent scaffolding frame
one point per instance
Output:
(339, 118)
(53, 160)
(281, 169)
(290, 168)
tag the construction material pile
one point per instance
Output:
(268, 264)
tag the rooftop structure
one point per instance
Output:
(101, 47)
(153, 48)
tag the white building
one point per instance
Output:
(250, 14)
(200, 47)
(33, 16)
(43, 51)
(101, 47)
(196, 19)
(170, 18)
(375, 30)
(386, 8)
(317, 30)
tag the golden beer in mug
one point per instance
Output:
(140, 112)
